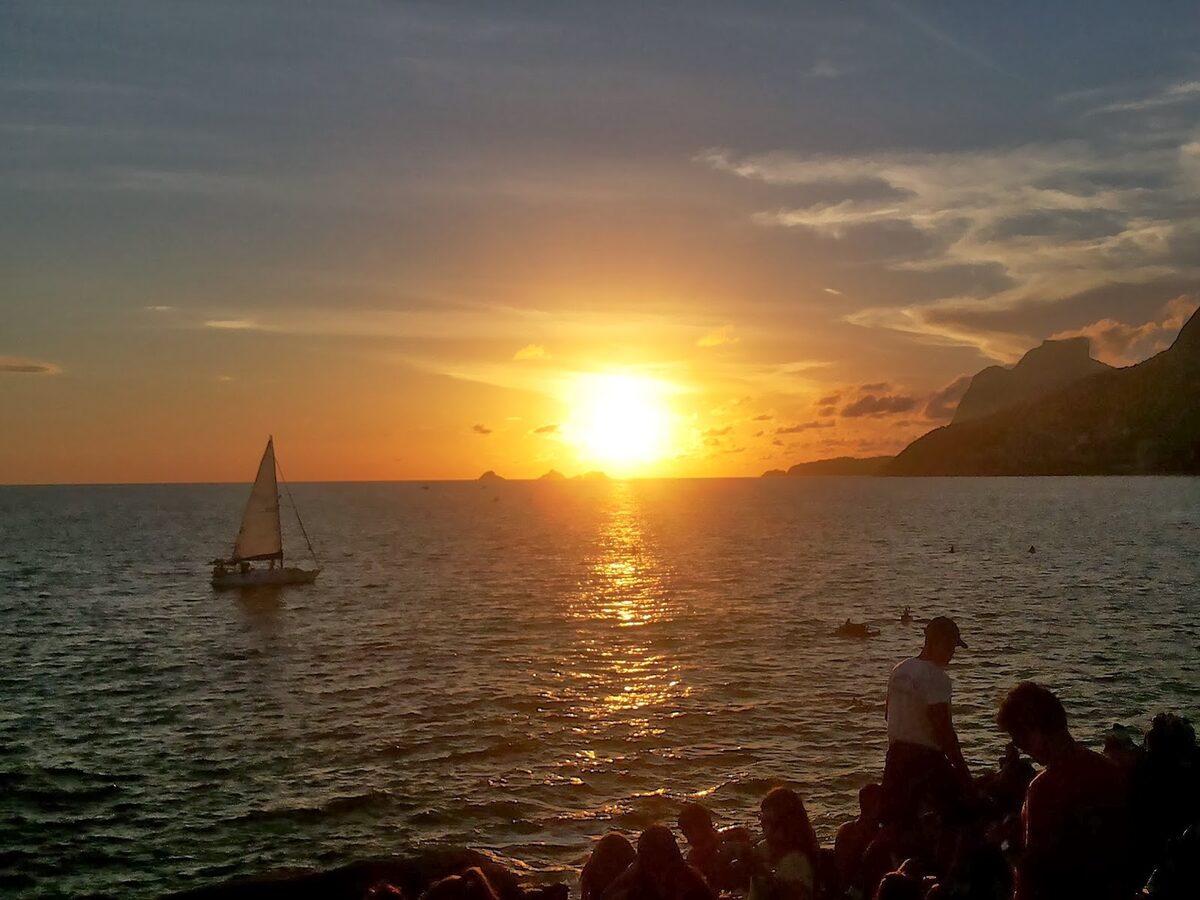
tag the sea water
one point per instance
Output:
(521, 667)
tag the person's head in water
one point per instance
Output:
(1035, 719)
(785, 824)
(659, 858)
(611, 857)
(870, 803)
(941, 639)
(696, 823)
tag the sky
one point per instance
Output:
(424, 240)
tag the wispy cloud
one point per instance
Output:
(14, 365)
(881, 405)
(234, 325)
(802, 427)
(718, 337)
(481, 429)
(531, 351)
(1051, 220)
(1122, 344)
(546, 429)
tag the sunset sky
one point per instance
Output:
(424, 240)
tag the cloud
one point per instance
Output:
(481, 429)
(718, 337)
(531, 351)
(765, 417)
(718, 432)
(546, 429)
(823, 68)
(1122, 344)
(875, 387)
(835, 293)
(998, 229)
(942, 403)
(803, 426)
(12, 365)
(232, 324)
(158, 308)
(884, 405)
(829, 400)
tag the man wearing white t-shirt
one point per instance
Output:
(925, 769)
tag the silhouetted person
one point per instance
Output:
(924, 769)
(855, 837)
(906, 615)
(1076, 840)
(1166, 785)
(786, 858)
(612, 855)
(718, 855)
(471, 884)
(659, 872)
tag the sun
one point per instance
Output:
(620, 422)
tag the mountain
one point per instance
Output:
(1144, 419)
(489, 475)
(842, 465)
(1041, 371)
(553, 475)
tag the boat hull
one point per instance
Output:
(264, 577)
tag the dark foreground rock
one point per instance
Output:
(411, 874)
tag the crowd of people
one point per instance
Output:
(1103, 826)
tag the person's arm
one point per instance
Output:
(947, 738)
(1038, 816)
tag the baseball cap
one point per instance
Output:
(944, 625)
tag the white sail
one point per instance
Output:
(259, 536)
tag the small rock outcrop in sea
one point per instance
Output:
(489, 475)
(1041, 371)
(553, 475)
(773, 473)
(1142, 420)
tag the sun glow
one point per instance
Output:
(621, 422)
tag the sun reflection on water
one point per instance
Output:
(618, 675)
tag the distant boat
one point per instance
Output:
(260, 539)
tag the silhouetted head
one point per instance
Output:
(898, 886)
(1171, 737)
(941, 639)
(472, 884)
(696, 823)
(785, 823)
(612, 855)
(659, 857)
(1035, 719)
(870, 802)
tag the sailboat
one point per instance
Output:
(260, 539)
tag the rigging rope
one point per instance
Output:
(287, 487)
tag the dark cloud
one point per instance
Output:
(777, 442)
(481, 429)
(830, 400)
(803, 426)
(943, 403)
(765, 417)
(1061, 224)
(884, 405)
(546, 429)
(759, 433)
(718, 432)
(875, 387)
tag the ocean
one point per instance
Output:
(521, 667)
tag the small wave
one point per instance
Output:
(332, 808)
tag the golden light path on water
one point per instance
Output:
(618, 676)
